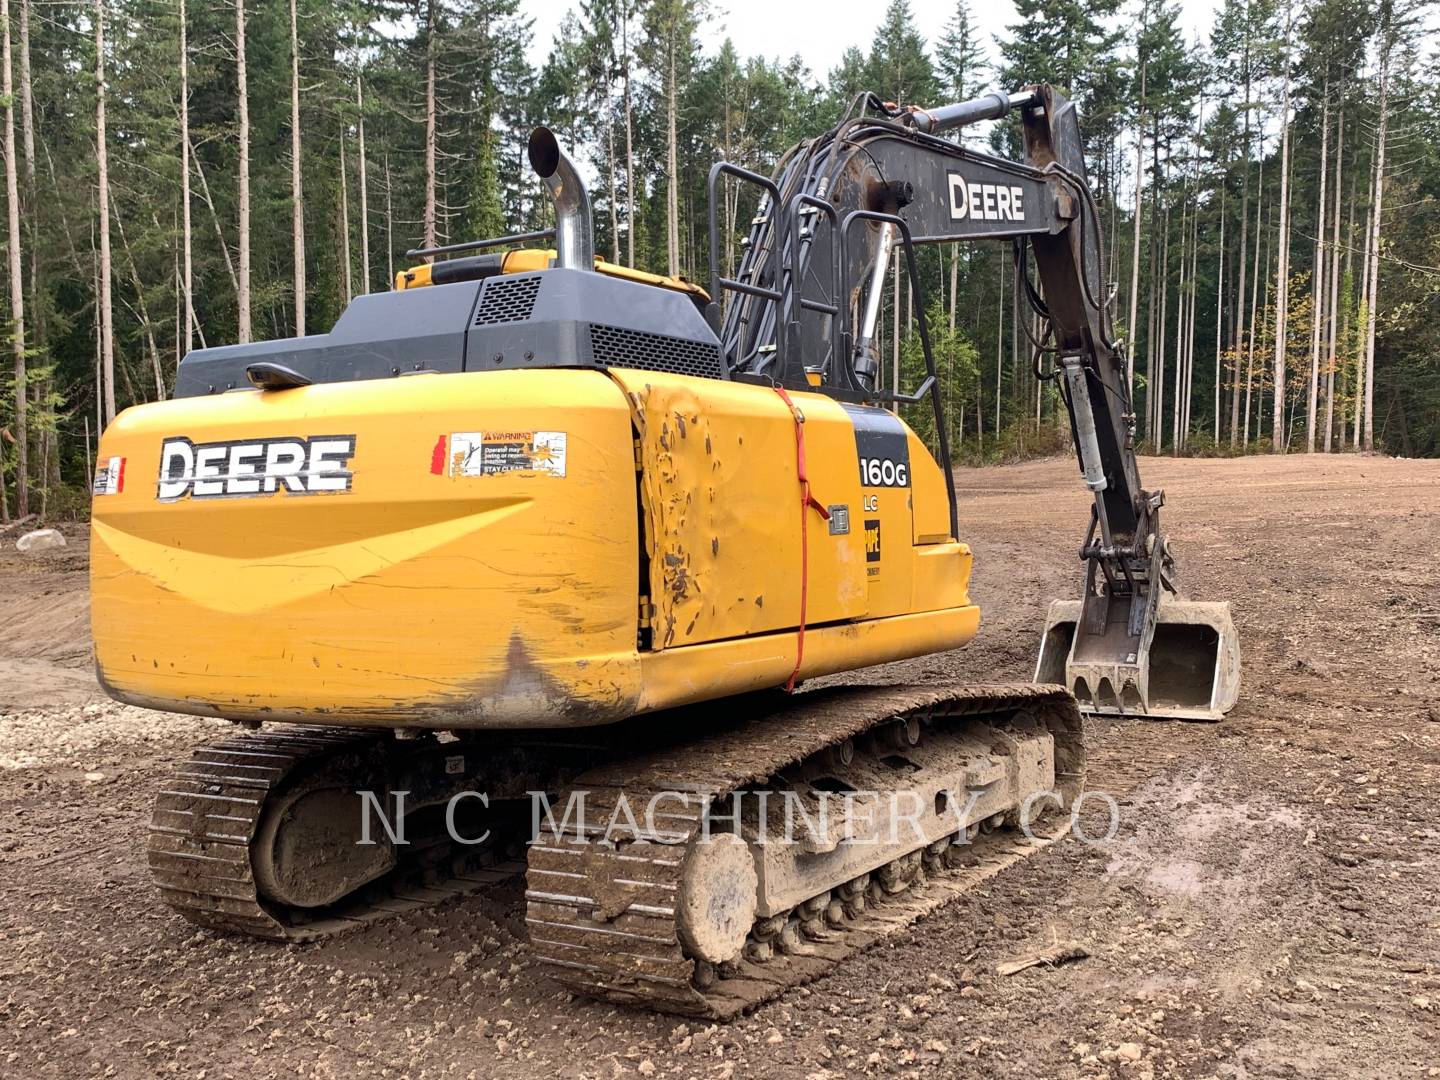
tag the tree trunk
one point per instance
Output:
(610, 174)
(1159, 361)
(1151, 319)
(1334, 287)
(429, 238)
(1254, 302)
(1265, 301)
(999, 349)
(187, 262)
(175, 279)
(1318, 279)
(1364, 313)
(345, 221)
(1254, 263)
(297, 198)
(27, 130)
(954, 284)
(1194, 302)
(389, 228)
(1219, 307)
(672, 165)
(895, 337)
(45, 437)
(1190, 299)
(1130, 326)
(102, 198)
(1373, 271)
(1239, 326)
(1235, 339)
(242, 298)
(1282, 271)
(219, 232)
(629, 138)
(1180, 322)
(17, 279)
(364, 168)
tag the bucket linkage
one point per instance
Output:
(1132, 646)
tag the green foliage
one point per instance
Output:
(899, 67)
(1209, 119)
(1073, 44)
(959, 57)
(957, 368)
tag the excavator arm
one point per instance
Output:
(805, 314)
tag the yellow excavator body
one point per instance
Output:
(495, 540)
(530, 548)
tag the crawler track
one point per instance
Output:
(208, 814)
(603, 915)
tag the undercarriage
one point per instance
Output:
(703, 877)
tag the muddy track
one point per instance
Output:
(622, 938)
(1267, 909)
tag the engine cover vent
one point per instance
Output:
(614, 346)
(507, 300)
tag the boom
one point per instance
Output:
(809, 287)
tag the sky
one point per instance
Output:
(820, 32)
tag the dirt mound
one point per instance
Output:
(44, 604)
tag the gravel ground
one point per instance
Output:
(1268, 908)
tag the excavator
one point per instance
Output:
(536, 536)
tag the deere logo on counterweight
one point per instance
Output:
(241, 468)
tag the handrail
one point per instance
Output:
(719, 284)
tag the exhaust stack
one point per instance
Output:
(574, 231)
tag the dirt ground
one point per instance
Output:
(1270, 907)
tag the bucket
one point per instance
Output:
(1188, 669)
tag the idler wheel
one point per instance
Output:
(715, 907)
(307, 852)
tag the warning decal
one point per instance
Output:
(489, 453)
(110, 477)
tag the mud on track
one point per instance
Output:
(1270, 907)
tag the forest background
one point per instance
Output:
(183, 173)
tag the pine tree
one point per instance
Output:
(363, 172)
(1073, 44)
(669, 53)
(898, 67)
(959, 56)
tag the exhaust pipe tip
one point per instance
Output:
(574, 231)
(544, 151)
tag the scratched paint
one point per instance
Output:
(723, 525)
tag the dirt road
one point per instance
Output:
(1270, 907)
